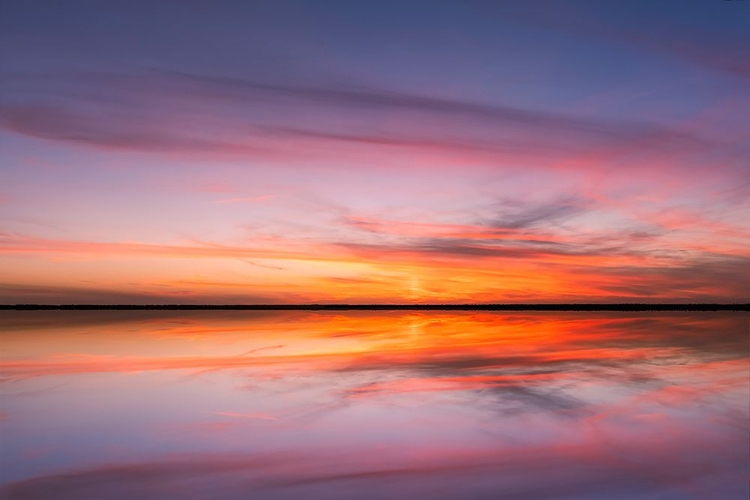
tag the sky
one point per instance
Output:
(411, 151)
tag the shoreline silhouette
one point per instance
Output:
(391, 307)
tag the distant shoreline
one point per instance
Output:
(380, 307)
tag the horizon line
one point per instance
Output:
(633, 306)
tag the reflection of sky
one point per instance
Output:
(296, 151)
(390, 405)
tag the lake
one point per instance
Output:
(374, 405)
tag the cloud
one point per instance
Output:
(11, 243)
(15, 293)
(124, 130)
(706, 278)
(549, 262)
(654, 257)
(520, 216)
(179, 113)
(250, 199)
(374, 99)
(481, 231)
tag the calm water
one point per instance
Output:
(235, 405)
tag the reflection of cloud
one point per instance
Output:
(509, 394)
(147, 321)
(260, 416)
(599, 466)
(511, 363)
(673, 418)
(501, 345)
(708, 335)
(60, 365)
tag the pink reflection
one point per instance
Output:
(392, 405)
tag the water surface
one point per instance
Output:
(283, 405)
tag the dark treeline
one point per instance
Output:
(387, 307)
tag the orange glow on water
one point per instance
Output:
(318, 398)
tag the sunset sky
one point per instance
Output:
(374, 151)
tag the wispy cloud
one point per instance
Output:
(526, 249)
(515, 215)
(255, 119)
(18, 243)
(250, 199)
